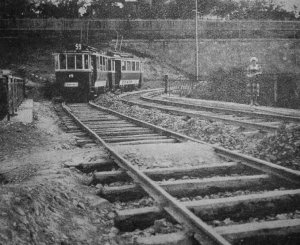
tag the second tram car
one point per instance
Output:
(127, 71)
(84, 72)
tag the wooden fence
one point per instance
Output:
(161, 28)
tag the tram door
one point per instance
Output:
(118, 71)
(93, 78)
(111, 77)
(94, 69)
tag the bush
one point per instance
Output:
(289, 91)
(224, 86)
(230, 86)
(284, 147)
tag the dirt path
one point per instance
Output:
(41, 201)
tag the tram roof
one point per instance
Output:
(6, 72)
(80, 49)
(79, 52)
(119, 54)
(85, 49)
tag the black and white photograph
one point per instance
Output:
(149, 122)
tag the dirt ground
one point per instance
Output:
(41, 201)
(168, 155)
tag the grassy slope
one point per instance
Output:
(27, 56)
(275, 56)
(223, 63)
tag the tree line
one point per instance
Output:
(146, 9)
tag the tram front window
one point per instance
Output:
(56, 59)
(79, 61)
(71, 61)
(86, 61)
(62, 61)
(123, 66)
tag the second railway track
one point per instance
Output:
(248, 119)
(235, 200)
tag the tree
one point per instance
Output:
(17, 9)
(46, 9)
(185, 8)
(225, 8)
(106, 9)
(59, 8)
(261, 9)
(144, 10)
(160, 9)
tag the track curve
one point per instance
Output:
(250, 118)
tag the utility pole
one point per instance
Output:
(197, 48)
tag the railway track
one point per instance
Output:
(235, 200)
(248, 119)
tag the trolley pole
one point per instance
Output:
(197, 48)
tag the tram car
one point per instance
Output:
(84, 72)
(127, 72)
(12, 93)
(77, 76)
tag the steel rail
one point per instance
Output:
(252, 125)
(215, 118)
(146, 97)
(267, 167)
(206, 234)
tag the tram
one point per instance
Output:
(84, 72)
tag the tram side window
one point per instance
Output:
(128, 66)
(101, 63)
(137, 66)
(56, 60)
(98, 62)
(123, 66)
(62, 61)
(86, 61)
(133, 65)
(106, 64)
(111, 65)
(71, 61)
(79, 61)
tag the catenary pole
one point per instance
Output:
(197, 48)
